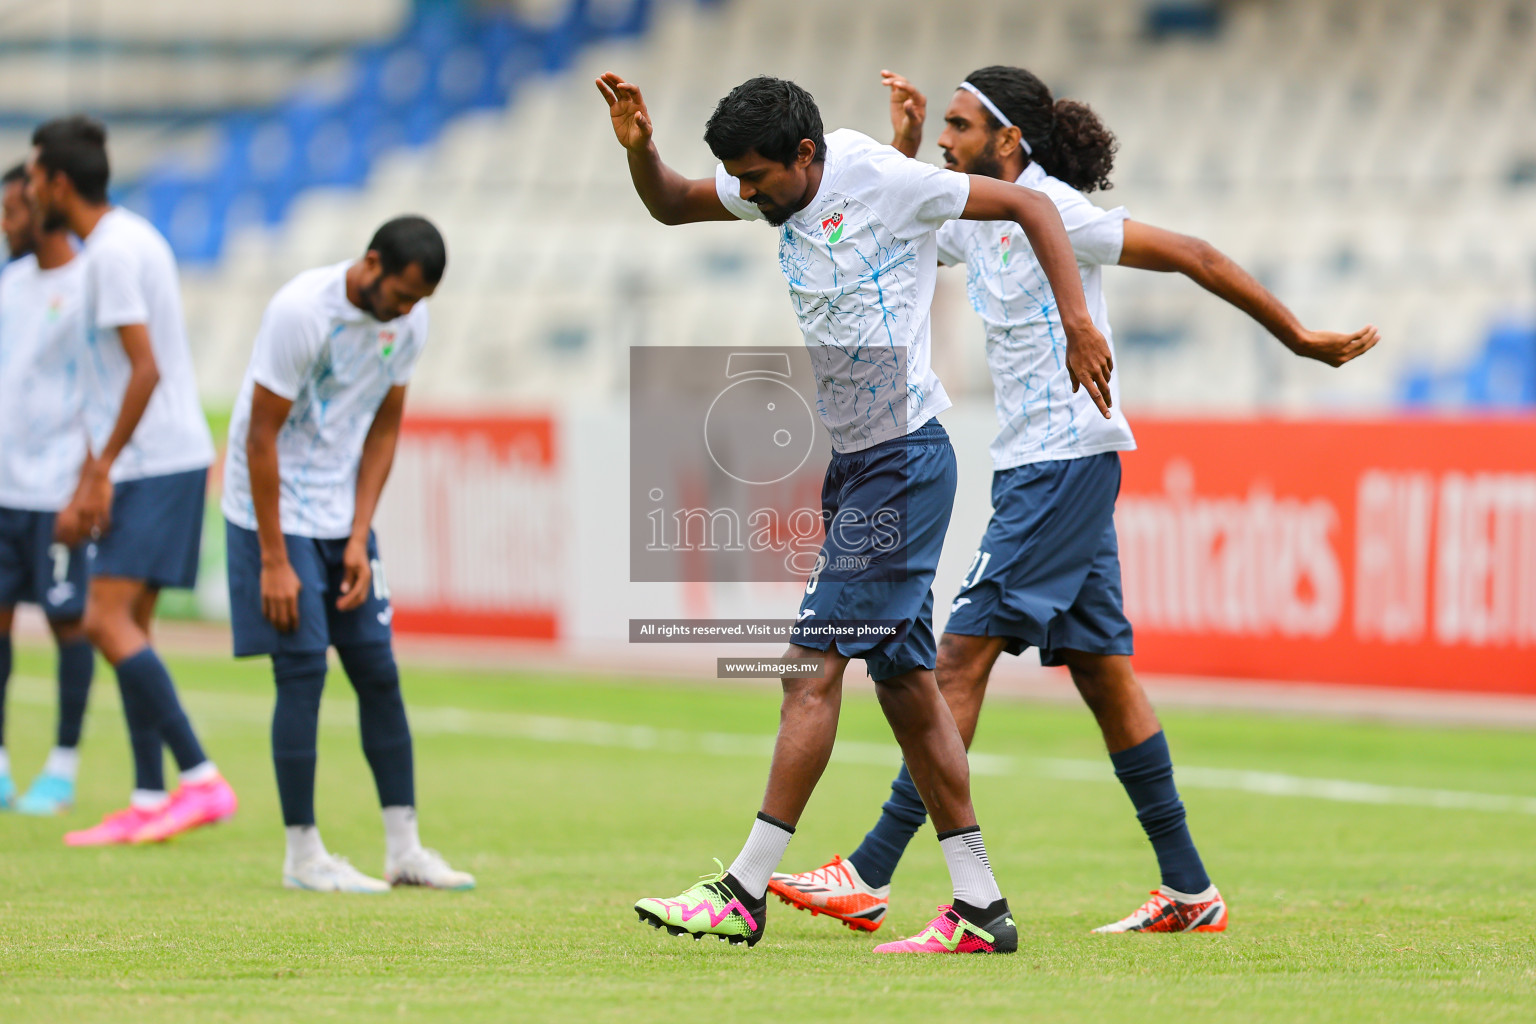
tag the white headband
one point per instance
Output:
(992, 108)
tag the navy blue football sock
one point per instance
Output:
(145, 674)
(1146, 772)
(77, 664)
(903, 814)
(295, 728)
(5, 679)
(381, 719)
(143, 737)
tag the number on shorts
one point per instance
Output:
(60, 555)
(380, 587)
(978, 566)
(810, 585)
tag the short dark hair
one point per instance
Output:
(410, 239)
(767, 115)
(76, 147)
(15, 174)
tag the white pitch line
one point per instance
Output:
(340, 712)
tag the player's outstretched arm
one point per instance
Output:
(1150, 248)
(279, 583)
(671, 198)
(372, 472)
(909, 110)
(1089, 362)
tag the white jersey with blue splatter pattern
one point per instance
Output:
(130, 278)
(860, 260)
(1038, 416)
(336, 364)
(42, 344)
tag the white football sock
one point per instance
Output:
(969, 869)
(199, 774)
(63, 762)
(148, 799)
(400, 835)
(765, 848)
(5, 762)
(303, 844)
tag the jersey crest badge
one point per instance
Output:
(1005, 246)
(832, 228)
(386, 343)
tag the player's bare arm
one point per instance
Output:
(1150, 248)
(279, 583)
(909, 109)
(1089, 363)
(670, 197)
(90, 511)
(372, 472)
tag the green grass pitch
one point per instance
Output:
(570, 798)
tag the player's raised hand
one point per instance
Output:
(280, 588)
(909, 109)
(626, 108)
(1334, 347)
(356, 576)
(1089, 364)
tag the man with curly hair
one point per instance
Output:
(1047, 571)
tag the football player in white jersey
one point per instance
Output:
(42, 443)
(311, 443)
(1047, 571)
(144, 480)
(856, 223)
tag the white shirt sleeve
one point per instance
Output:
(911, 198)
(729, 191)
(401, 372)
(118, 293)
(951, 238)
(289, 340)
(1097, 236)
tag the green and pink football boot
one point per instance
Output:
(715, 905)
(951, 933)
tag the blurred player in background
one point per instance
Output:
(1047, 572)
(856, 223)
(42, 446)
(144, 479)
(311, 443)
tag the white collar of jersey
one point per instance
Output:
(1032, 176)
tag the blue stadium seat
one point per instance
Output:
(453, 57)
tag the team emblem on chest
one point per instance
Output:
(1005, 248)
(832, 227)
(386, 343)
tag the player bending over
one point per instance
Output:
(1047, 572)
(856, 223)
(311, 443)
(42, 444)
(145, 476)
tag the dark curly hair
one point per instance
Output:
(767, 115)
(1066, 137)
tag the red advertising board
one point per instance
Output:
(1393, 552)
(471, 523)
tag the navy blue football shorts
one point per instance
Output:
(886, 510)
(156, 531)
(319, 568)
(37, 569)
(1047, 573)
